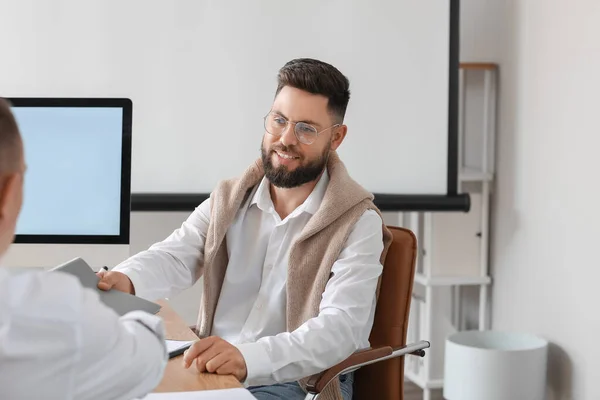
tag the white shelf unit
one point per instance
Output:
(461, 238)
(424, 280)
(473, 175)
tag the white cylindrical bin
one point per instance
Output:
(495, 365)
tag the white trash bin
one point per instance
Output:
(493, 365)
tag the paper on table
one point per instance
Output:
(223, 394)
(173, 345)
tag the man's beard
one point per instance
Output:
(283, 178)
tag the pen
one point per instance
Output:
(105, 268)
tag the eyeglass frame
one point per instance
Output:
(287, 121)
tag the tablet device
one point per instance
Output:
(119, 301)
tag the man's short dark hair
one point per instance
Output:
(317, 77)
(10, 140)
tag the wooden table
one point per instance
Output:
(176, 377)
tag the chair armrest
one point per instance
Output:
(316, 383)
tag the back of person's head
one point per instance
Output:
(317, 77)
(11, 175)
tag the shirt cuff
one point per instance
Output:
(136, 281)
(152, 322)
(258, 364)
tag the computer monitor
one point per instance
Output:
(77, 184)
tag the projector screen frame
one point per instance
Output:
(451, 201)
(125, 198)
(156, 201)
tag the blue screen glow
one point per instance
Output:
(73, 178)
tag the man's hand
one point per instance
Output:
(115, 280)
(216, 355)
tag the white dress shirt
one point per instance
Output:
(59, 342)
(251, 311)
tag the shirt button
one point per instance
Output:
(258, 305)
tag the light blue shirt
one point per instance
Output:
(59, 341)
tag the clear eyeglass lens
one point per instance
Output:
(305, 133)
(276, 125)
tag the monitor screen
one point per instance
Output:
(74, 180)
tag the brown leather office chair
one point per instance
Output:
(381, 373)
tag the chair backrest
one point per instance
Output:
(385, 380)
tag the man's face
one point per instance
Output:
(11, 200)
(288, 162)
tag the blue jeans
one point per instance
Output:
(293, 391)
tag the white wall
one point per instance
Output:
(546, 221)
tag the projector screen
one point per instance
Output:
(202, 75)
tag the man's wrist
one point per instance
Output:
(258, 362)
(137, 284)
(131, 287)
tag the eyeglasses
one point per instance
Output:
(275, 125)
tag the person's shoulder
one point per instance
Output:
(370, 220)
(36, 279)
(42, 295)
(371, 214)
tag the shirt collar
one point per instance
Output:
(262, 196)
